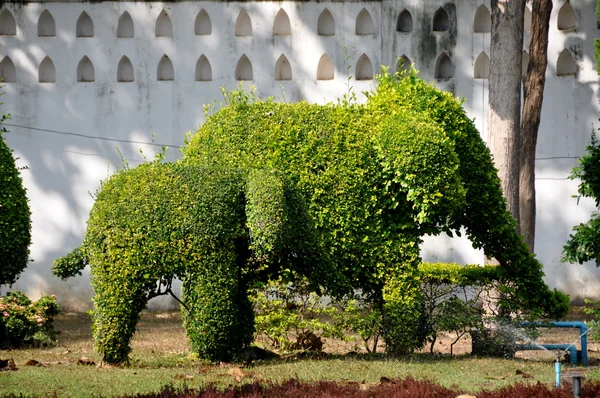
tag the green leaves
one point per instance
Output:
(584, 243)
(15, 222)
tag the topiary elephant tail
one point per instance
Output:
(70, 265)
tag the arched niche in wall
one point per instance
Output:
(403, 64)
(527, 20)
(443, 67)
(281, 25)
(243, 69)
(283, 69)
(125, 26)
(566, 18)
(364, 68)
(165, 70)
(525, 63)
(441, 21)
(404, 23)
(164, 26)
(326, 24)
(364, 23)
(85, 26)
(482, 23)
(85, 70)
(243, 25)
(203, 24)
(46, 26)
(8, 25)
(565, 65)
(203, 70)
(47, 71)
(325, 69)
(8, 72)
(125, 72)
(482, 66)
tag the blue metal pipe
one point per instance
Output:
(551, 347)
(557, 368)
(583, 330)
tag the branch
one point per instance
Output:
(177, 298)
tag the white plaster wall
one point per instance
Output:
(64, 168)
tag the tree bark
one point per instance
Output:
(533, 96)
(505, 95)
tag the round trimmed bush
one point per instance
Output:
(15, 222)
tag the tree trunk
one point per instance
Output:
(505, 95)
(533, 96)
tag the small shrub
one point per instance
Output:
(23, 322)
(289, 316)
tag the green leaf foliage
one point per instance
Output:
(15, 217)
(376, 178)
(584, 243)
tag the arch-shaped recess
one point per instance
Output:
(283, 69)
(527, 20)
(443, 67)
(203, 70)
(125, 26)
(46, 26)
(326, 24)
(403, 64)
(325, 69)
(482, 23)
(566, 18)
(525, 62)
(85, 26)
(165, 70)
(125, 72)
(482, 66)
(364, 68)
(441, 21)
(164, 26)
(281, 25)
(8, 25)
(243, 25)
(243, 69)
(566, 66)
(203, 24)
(404, 23)
(85, 70)
(47, 71)
(364, 23)
(8, 72)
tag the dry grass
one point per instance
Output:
(162, 356)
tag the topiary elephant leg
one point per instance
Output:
(219, 319)
(117, 305)
(404, 327)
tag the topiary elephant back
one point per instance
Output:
(216, 230)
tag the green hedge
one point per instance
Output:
(15, 222)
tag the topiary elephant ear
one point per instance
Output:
(15, 217)
(283, 239)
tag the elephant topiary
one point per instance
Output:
(341, 193)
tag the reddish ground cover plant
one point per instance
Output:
(408, 388)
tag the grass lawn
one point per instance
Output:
(162, 356)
